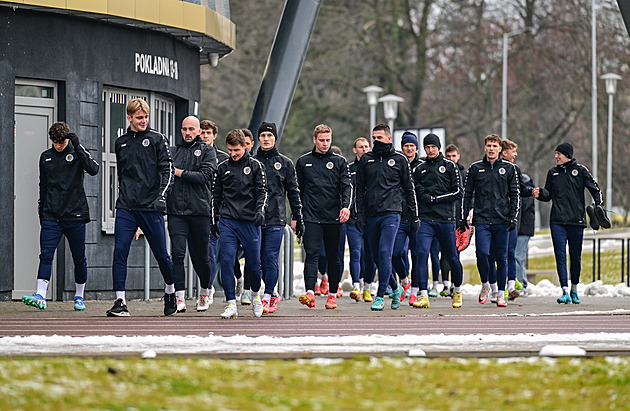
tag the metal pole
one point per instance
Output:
(594, 88)
(147, 271)
(372, 121)
(609, 155)
(391, 125)
(504, 88)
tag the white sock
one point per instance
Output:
(447, 284)
(42, 287)
(181, 294)
(494, 288)
(361, 284)
(266, 297)
(253, 293)
(414, 290)
(404, 281)
(80, 290)
(204, 291)
(310, 291)
(424, 293)
(367, 286)
(511, 284)
(169, 289)
(231, 302)
(573, 287)
(435, 284)
(457, 290)
(356, 286)
(120, 295)
(565, 289)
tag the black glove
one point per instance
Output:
(259, 219)
(299, 228)
(214, 230)
(426, 198)
(159, 205)
(462, 226)
(74, 139)
(415, 226)
(512, 225)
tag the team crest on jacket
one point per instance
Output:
(574, 173)
(501, 171)
(70, 157)
(197, 153)
(247, 170)
(391, 162)
(277, 165)
(145, 142)
(329, 165)
(442, 169)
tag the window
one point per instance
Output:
(114, 125)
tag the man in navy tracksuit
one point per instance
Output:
(384, 188)
(239, 203)
(145, 177)
(493, 185)
(405, 239)
(189, 209)
(63, 209)
(326, 193)
(439, 191)
(565, 186)
(281, 183)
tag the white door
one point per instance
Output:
(34, 114)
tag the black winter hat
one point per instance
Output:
(431, 139)
(408, 137)
(271, 127)
(566, 149)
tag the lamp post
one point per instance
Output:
(611, 87)
(390, 109)
(594, 90)
(506, 37)
(372, 97)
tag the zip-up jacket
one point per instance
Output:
(407, 214)
(565, 186)
(528, 212)
(221, 155)
(61, 192)
(495, 190)
(384, 183)
(239, 189)
(439, 178)
(190, 194)
(325, 187)
(353, 180)
(281, 179)
(145, 170)
(462, 178)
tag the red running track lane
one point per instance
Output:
(314, 326)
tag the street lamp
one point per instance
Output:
(506, 37)
(372, 97)
(611, 87)
(390, 109)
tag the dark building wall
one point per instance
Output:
(83, 56)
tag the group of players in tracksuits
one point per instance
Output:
(388, 200)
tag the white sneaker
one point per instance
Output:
(211, 296)
(246, 297)
(257, 306)
(181, 305)
(493, 300)
(230, 311)
(203, 303)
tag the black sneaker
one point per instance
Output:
(602, 217)
(593, 220)
(170, 304)
(118, 310)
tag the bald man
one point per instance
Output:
(188, 209)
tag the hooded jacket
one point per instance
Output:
(325, 187)
(61, 193)
(384, 183)
(565, 186)
(239, 189)
(145, 170)
(495, 190)
(528, 212)
(281, 179)
(439, 179)
(190, 194)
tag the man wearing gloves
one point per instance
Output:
(281, 183)
(565, 186)
(63, 209)
(239, 204)
(145, 177)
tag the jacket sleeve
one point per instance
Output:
(592, 186)
(360, 196)
(525, 186)
(293, 191)
(207, 167)
(165, 166)
(42, 185)
(260, 182)
(217, 198)
(545, 193)
(469, 189)
(87, 162)
(300, 179)
(515, 194)
(345, 183)
(455, 190)
(410, 192)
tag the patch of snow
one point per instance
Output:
(553, 350)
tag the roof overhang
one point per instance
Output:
(191, 23)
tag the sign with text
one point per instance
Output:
(156, 65)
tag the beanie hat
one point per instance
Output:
(271, 127)
(566, 149)
(432, 139)
(407, 138)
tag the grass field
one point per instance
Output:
(357, 384)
